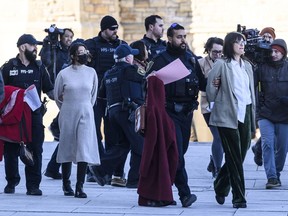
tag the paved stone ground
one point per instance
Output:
(115, 201)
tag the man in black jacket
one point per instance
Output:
(24, 71)
(181, 100)
(102, 49)
(154, 27)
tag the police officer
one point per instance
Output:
(123, 87)
(181, 100)
(102, 49)
(23, 71)
(154, 27)
(61, 49)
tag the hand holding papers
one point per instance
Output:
(172, 72)
(32, 98)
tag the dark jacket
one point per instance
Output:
(187, 92)
(160, 155)
(271, 80)
(47, 57)
(102, 52)
(122, 83)
(154, 47)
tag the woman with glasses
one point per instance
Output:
(230, 86)
(213, 48)
(75, 93)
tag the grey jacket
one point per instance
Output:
(224, 112)
(1, 88)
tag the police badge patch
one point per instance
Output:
(13, 72)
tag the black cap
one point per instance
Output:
(107, 22)
(27, 38)
(124, 50)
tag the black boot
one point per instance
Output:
(66, 172)
(81, 172)
(79, 193)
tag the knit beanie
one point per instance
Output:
(107, 22)
(280, 45)
(269, 30)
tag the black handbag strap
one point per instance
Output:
(22, 126)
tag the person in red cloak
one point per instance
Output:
(160, 154)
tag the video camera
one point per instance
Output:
(257, 50)
(53, 34)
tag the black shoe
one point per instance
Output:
(211, 167)
(53, 175)
(68, 191)
(34, 192)
(257, 156)
(108, 179)
(220, 199)
(96, 175)
(272, 183)
(174, 203)
(132, 185)
(188, 200)
(9, 189)
(239, 205)
(79, 193)
(153, 203)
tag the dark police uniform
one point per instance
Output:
(123, 86)
(16, 74)
(62, 59)
(181, 101)
(102, 53)
(153, 47)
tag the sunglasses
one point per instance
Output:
(113, 28)
(216, 52)
(173, 25)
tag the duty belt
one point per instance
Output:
(115, 104)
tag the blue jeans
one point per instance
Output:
(274, 137)
(216, 147)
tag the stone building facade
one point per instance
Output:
(201, 18)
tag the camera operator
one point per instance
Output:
(55, 55)
(268, 35)
(272, 114)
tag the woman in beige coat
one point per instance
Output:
(233, 114)
(75, 94)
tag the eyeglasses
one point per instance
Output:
(215, 52)
(242, 42)
(113, 28)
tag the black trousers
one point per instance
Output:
(11, 152)
(110, 137)
(127, 139)
(182, 122)
(235, 143)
